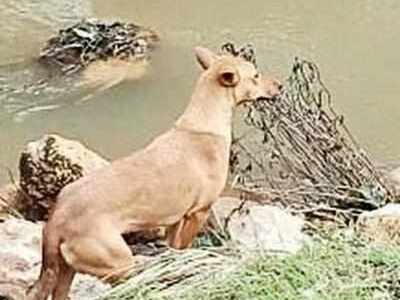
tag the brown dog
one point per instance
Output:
(171, 183)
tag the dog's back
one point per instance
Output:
(179, 171)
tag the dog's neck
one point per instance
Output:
(210, 110)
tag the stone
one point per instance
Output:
(260, 227)
(20, 255)
(381, 225)
(49, 164)
(221, 211)
(394, 177)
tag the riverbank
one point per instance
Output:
(335, 268)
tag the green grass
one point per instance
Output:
(334, 269)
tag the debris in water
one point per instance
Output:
(75, 47)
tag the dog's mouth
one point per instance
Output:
(270, 100)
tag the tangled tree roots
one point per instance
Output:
(296, 150)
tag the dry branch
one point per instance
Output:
(296, 150)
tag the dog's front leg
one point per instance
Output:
(181, 235)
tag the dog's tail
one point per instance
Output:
(53, 267)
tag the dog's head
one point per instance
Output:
(238, 75)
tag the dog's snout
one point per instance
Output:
(273, 87)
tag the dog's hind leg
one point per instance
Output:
(51, 264)
(63, 283)
(43, 287)
(102, 252)
(181, 234)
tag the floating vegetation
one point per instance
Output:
(75, 47)
(296, 151)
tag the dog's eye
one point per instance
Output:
(257, 76)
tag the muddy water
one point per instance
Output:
(355, 43)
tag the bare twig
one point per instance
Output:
(300, 153)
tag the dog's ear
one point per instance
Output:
(205, 57)
(228, 76)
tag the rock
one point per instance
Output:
(381, 225)
(221, 210)
(394, 177)
(48, 165)
(395, 174)
(20, 263)
(260, 227)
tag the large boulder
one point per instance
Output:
(46, 166)
(20, 256)
(381, 225)
(260, 227)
